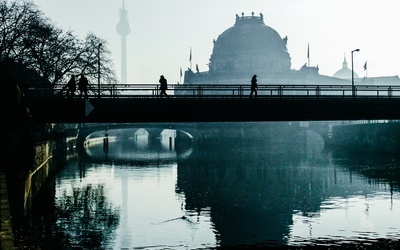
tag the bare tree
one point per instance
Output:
(30, 39)
(16, 23)
(89, 60)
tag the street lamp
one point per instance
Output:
(352, 73)
(98, 67)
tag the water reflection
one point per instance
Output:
(223, 192)
(85, 216)
(263, 197)
(71, 214)
(134, 148)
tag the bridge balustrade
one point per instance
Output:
(37, 91)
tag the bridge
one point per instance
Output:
(141, 103)
(203, 131)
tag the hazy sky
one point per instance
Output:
(163, 31)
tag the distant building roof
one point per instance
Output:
(381, 80)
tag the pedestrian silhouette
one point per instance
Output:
(163, 86)
(83, 85)
(254, 86)
(71, 86)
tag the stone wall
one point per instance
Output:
(49, 155)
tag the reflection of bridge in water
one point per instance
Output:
(186, 133)
(375, 136)
(133, 151)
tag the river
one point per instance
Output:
(141, 193)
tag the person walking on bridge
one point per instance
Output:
(71, 86)
(163, 86)
(83, 85)
(254, 87)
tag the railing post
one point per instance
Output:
(199, 91)
(390, 91)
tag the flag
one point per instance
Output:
(190, 56)
(365, 65)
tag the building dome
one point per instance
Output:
(344, 72)
(250, 46)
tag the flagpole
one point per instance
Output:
(190, 58)
(180, 75)
(366, 69)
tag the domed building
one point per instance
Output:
(250, 48)
(345, 72)
(250, 45)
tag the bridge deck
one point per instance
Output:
(207, 103)
(226, 108)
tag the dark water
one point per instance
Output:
(143, 193)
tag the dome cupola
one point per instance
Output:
(250, 46)
(344, 72)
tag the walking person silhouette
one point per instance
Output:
(83, 85)
(163, 86)
(254, 87)
(71, 86)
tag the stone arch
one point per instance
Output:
(153, 130)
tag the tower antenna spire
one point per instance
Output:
(123, 29)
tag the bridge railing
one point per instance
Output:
(215, 91)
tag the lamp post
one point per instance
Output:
(353, 90)
(98, 67)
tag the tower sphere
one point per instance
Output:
(123, 28)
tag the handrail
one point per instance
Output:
(214, 91)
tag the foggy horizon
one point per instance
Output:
(162, 33)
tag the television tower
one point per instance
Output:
(123, 29)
